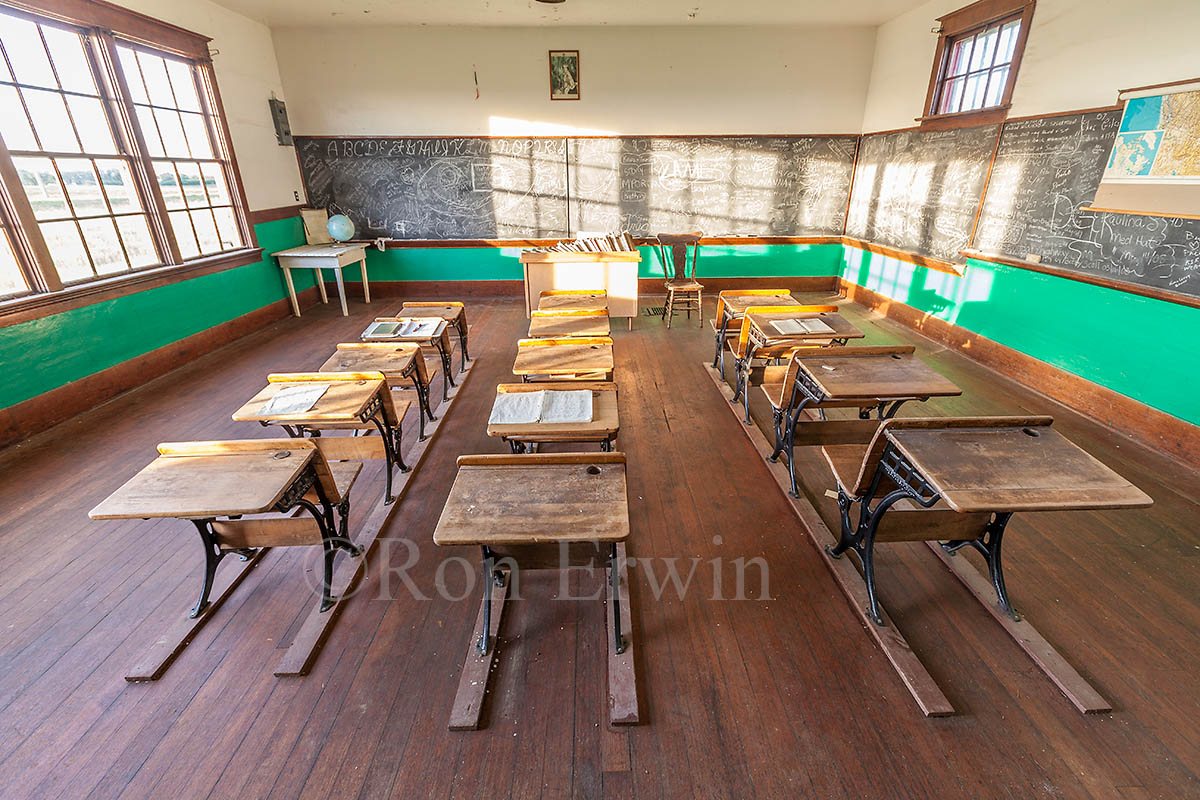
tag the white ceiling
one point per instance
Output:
(304, 13)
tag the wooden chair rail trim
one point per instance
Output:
(861, 350)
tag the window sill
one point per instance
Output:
(36, 306)
(964, 119)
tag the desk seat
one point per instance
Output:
(344, 473)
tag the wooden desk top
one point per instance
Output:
(342, 401)
(540, 498)
(604, 410)
(572, 300)
(321, 250)
(554, 256)
(536, 358)
(390, 359)
(1006, 469)
(842, 329)
(552, 325)
(199, 487)
(738, 303)
(856, 376)
(446, 312)
(441, 328)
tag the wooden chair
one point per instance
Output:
(452, 311)
(866, 478)
(683, 292)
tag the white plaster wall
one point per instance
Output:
(419, 81)
(247, 74)
(1079, 55)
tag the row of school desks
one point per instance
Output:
(531, 510)
(953, 482)
(246, 496)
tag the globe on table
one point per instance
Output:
(340, 227)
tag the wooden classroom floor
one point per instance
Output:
(787, 697)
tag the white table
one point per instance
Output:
(319, 257)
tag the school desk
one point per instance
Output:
(732, 305)
(438, 340)
(324, 256)
(603, 427)
(583, 358)
(453, 312)
(398, 363)
(567, 323)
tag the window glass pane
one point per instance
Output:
(206, 231)
(150, 131)
(985, 48)
(11, 279)
(168, 184)
(157, 84)
(214, 181)
(172, 133)
(197, 135)
(23, 44)
(14, 126)
(960, 55)
(227, 228)
(66, 51)
(103, 244)
(182, 225)
(1008, 43)
(973, 93)
(183, 85)
(83, 187)
(51, 122)
(92, 124)
(41, 186)
(118, 185)
(66, 248)
(193, 186)
(951, 96)
(995, 91)
(133, 75)
(135, 233)
(5, 74)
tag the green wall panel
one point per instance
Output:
(1138, 346)
(46, 353)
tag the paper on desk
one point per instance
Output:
(791, 327)
(423, 326)
(516, 408)
(293, 400)
(572, 406)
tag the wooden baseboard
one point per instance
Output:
(646, 286)
(36, 414)
(1156, 429)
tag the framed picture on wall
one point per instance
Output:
(564, 74)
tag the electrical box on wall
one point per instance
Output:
(283, 131)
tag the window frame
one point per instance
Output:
(955, 26)
(105, 26)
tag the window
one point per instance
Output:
(114, 155)
(978, 53)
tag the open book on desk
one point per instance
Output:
(795, 327)
(546, 407)
(415, 327)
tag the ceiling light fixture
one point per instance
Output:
(551, 2)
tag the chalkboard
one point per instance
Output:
(920, 191)
(722, 185)
(499, 188)
(1045, 170)
(440, 188)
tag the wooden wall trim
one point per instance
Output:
(271, 214)
(1083, 277)
(1156, 429)
(641, 241)
(125, 23)
(45, 304)
(647, 287)
(36, 414)
(938, 264)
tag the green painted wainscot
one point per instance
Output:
(46, 353)
(1138, 346)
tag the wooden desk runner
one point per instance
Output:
(398, 363)
(542, 510)
(352, 401)
(220, 487)
(758, 338)
(732, 305)
(453, 312)
(602, 428)
(866, 378)
(567, 323)
(439, 340)
(583, 358)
